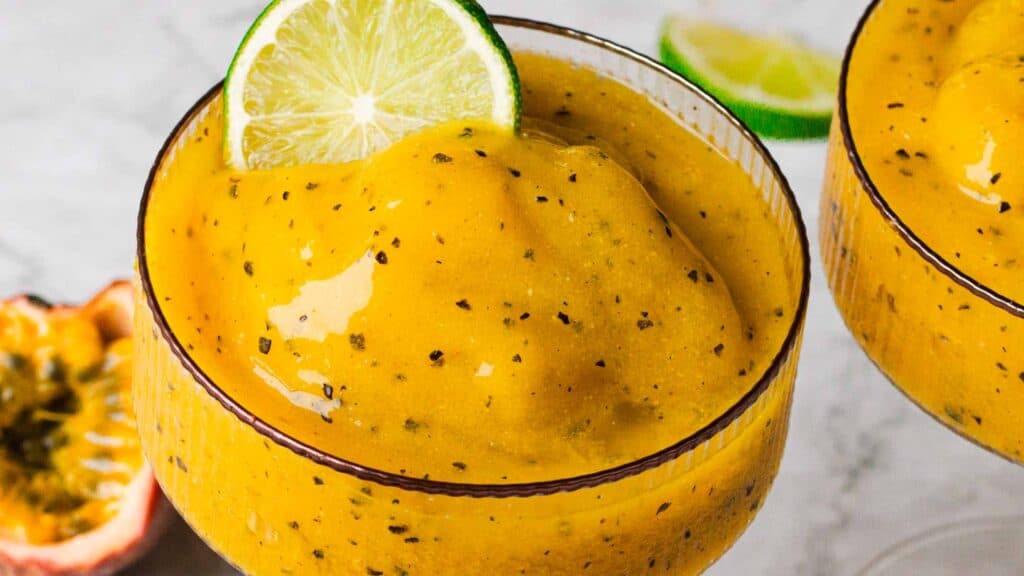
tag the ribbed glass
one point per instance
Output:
(271, 505)
(951, 345)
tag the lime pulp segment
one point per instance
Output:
(778, 86)
(320, 81)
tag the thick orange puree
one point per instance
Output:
(943, 135)
(474, 306)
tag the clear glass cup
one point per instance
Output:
(941, 337)
(234, 477)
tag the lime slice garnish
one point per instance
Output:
(780, 87)
(331, 81)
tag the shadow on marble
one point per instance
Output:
(181, 553)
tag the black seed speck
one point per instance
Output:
(459, 465)
(464, 304)
(600, 364)
(382, 257)
(564, 318)
(318, 554)
(265, 344)
(441, 158)
(515, 173)
(1004, 207)
(718, 349)
(40, 302)
(357, 341)
(398, 529)
(664, 506)
(328, 391)
(247, 266)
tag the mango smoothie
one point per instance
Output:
(923, 233)
(533, 320)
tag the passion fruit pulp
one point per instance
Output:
(76, 495)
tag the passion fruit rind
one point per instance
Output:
(124, 539)
(76, 496)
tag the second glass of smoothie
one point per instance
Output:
(921, 233)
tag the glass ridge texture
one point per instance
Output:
(952, 345)
(675, 511)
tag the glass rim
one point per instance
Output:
(888, 214)
(526, 489)
(936, 535)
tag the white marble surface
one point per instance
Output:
(90, 90)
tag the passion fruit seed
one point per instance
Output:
(68, 446)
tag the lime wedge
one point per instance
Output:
(781, 88)
(331, 81)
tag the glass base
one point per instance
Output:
(990, 547)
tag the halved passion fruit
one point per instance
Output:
(76, 495)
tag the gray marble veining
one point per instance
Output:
(91, 89)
